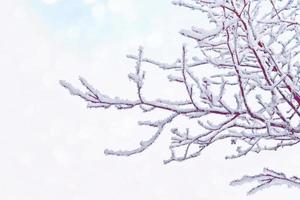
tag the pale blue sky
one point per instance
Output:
(51, 146)
(92, 21)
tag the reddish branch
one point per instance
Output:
(254, 56)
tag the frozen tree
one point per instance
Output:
(253, 97)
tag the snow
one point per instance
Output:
(49, 124)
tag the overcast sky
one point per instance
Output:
(51, 145)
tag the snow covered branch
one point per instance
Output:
(252, 99)
(267, 179)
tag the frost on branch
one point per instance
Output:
(267, 179)
(253, 97)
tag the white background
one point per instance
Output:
(51, 146)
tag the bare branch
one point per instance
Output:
(267, 179)
(253, 99)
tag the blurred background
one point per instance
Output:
(51, 145)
